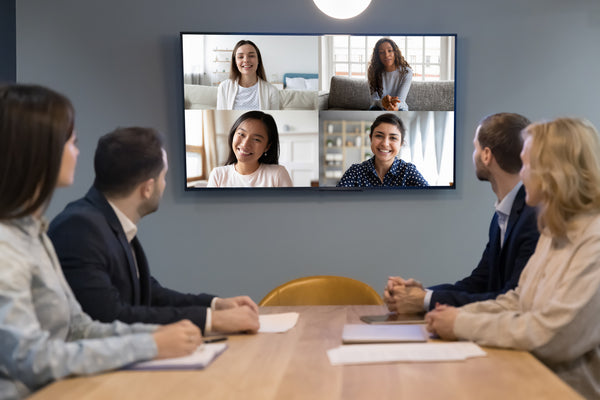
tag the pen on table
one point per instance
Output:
(213, 339)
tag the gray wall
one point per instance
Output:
(119, 63)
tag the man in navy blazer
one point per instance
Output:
(513, 232)
(102, 258)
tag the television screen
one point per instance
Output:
(319, 112)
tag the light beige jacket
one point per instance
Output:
(555, 310)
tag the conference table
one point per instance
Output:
(294, 365)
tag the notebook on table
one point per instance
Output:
(199, 359)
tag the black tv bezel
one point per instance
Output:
(312, 189)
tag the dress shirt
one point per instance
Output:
(503, 210)
(130, 230)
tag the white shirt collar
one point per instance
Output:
(506, 204)
(128, 226)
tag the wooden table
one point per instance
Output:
(294, 365)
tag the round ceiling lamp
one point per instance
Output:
(342, 9)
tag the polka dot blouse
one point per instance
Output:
(364, 175)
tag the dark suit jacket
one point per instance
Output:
(500, 268)
(98, 264)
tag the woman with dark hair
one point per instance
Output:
(253, 155)
(247, 87)
(44, 335)
(553, 312)
(384, 169)
(389, 76)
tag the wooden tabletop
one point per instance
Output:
(294, 365)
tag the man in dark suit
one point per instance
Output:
(103, 261)
(513, 232)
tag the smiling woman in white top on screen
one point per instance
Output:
(247, 87)
(253, 155)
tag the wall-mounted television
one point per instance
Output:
(296, 111)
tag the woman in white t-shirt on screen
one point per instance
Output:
(247, 87)
(253, 155)
(389, 77)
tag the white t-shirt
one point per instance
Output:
(267, 175)
(247, 98)
(268, 95)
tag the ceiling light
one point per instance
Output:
(342, 9)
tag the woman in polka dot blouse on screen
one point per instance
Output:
(384, 169)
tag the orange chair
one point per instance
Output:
(322, 290)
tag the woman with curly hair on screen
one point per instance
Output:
(389, 77)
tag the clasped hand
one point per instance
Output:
(390, 103)
(404, 296)
(235, 314)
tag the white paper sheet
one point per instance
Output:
(277, 323)
(201, 358)
(381, 353)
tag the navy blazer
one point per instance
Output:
(99, 266)
(500, 268)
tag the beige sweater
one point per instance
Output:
(555, 310)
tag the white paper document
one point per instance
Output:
(416, 352)
(362, 333)
(277, 323)
(201, 358)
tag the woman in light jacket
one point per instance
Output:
(44, 334)
(553, 312)
(247, 87)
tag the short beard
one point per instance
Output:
(148, 207)
(480, 171)
(482, 175)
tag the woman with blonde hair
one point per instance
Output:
(44, 335)
(554, 310)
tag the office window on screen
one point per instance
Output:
(195, 153)
(430, 57)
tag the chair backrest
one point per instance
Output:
(322, 290)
